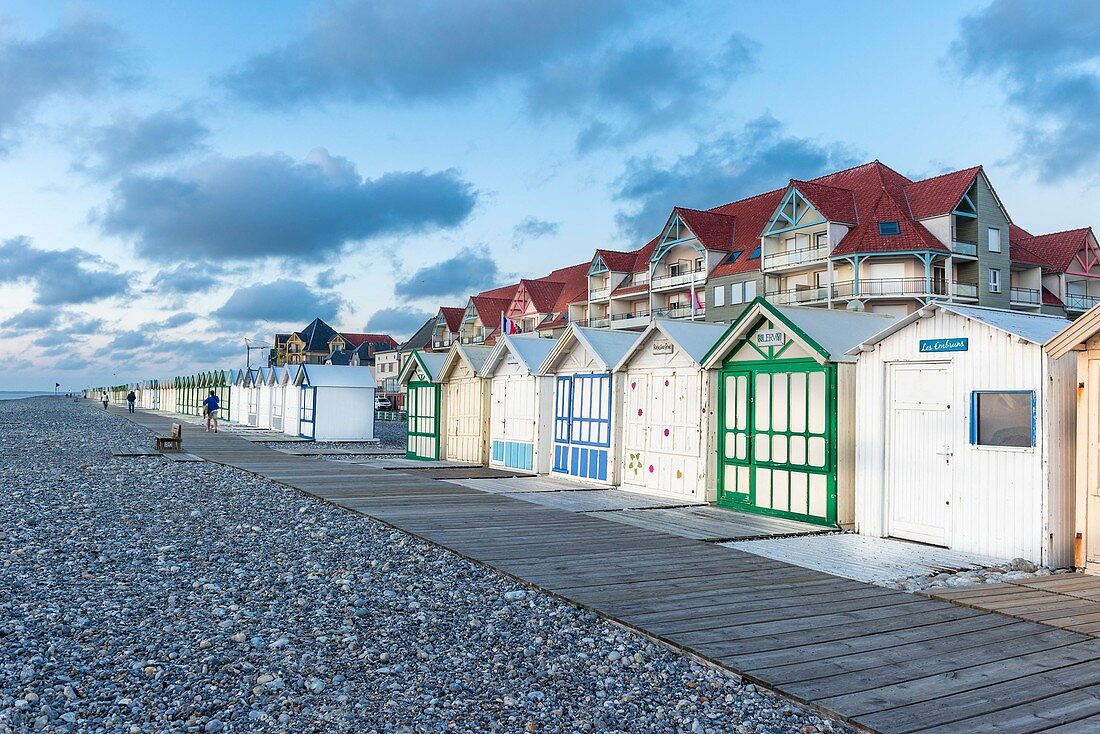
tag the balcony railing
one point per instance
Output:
(966, 290)
(871, 288)
(599, 294)
(634, 315)
(963, 247)
(678, 312)
(799, 295)
(1026, 296)
(480, 339)
(1077, 302)
(441, 343)
(795, 257)
(671, 281)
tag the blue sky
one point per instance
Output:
(176, 177)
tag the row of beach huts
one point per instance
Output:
(971, 428)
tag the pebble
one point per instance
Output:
(146, 595)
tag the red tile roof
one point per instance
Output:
(357, 340)
(504, 291)
(1049, 299)
(574, 280)
(628, 289)
(542, 294)
(1057, 249)
(452, 316)
(865, 237)
(714, 230)
(616, 261)
(936, 196)
(1019, 253)
(750, 216)
(489, 309)
(835, 204)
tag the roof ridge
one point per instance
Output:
(1061, 231)
(978, 167)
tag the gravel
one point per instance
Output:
(1014, 570)
(141, 595)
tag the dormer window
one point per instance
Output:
(889, 228)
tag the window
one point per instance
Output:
(1003, 418)
(750, 290)
(755, 253)
(822, 239)
(994, 240)
(734, 255)
(719, 295)
(994, 280)
(889, 228)
(698, 263)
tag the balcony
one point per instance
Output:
(1077, 302)
(630, 320)
(442, 343)
(1026, 297)
(679, 312)
(868, 288)
(790, 258)
(599, 294)
(966, 291)
(663, 282)
(964, 248)
(799, 296)
(479, 339)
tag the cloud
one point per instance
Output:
(623, 93)
(329, 278)
(32, 319)
(273, 207)
(186, 278)
(281, 302)
(79, 57)
(375, 51)
(1047, 56)
(60, 277)
(465, 273)
(759, 158)
(179, 319)
(401, 321)
(131, 142)
(532, 228)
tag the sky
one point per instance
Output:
(178, 177)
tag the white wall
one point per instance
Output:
(344, 414)
(1000, 505)
(540, 433)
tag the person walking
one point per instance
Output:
(210, 407)
(131, 398)
(105, 399)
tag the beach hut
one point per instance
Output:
(584, 423)
(336, 402)
(266, 386)
(521, 403)
(965, 432)
(221, 383)
(784, 418)
(466, 398)
(252, 401)
(1080, 341)
(291, 402)
(168, 396)
(423, 404)
(277, 378)
(664, 398)
(239, 403)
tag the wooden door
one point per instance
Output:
(513, 422)
(636, 403)
(919, 448)
(582, 425)
(277, 408)
(422, 404)
(464, 420)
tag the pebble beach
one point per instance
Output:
(142, 595)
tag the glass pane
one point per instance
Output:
(742, 402)
(763, 488)
(743, 479)
(780, 491)
(762, 450)
(798, 402)
(742, 446)
(779, 402)
(1004, 418)
(761, 393)
(816, 423)
(733, 414)
(816, 450)
(799, 493)
(819, 505)
(798, 451)
(779, 449)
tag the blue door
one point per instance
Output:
(582, 425)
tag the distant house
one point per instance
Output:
(319, 343)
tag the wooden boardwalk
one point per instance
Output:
(1066, 601)
(879, 659)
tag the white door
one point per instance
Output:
(277, 408)
(635, 429)
(512, 422)
(919, 448)
(464, 420)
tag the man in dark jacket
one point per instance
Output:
(131, 398)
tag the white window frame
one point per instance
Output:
(719, 298)
(994, 280)
(993, 233)
(749, 290)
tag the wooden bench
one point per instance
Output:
(173, 442)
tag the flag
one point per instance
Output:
(697, 302)
(507, 326)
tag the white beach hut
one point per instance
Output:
(423, 404)
(336, 402)
(784, 417)
(965, 433)
(466, 398)
(521, 403)
(1080, 341)
(277, 378)
(585, 424)
(292, 411)
(252, 381)
(238, 404)
(664, 395)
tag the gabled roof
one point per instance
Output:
(316, 336)
(542, 293)
(750, 217)
(358, 340)
(529, 350)
(331, 375)
(607, 346)
(340, 357)
(693, 338)
(452, 317)
(865, 237)
(422, 338)
(835, 204)
(1077, 332)
(713, 229)
(488, 310)
(616, 261)
(506, 292)
(1032, 327)
(430, 362)
(939, 195)
(826, 333)
(1055, 250)
(474, 357)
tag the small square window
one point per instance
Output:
(1002, 418)
(889, 228)
(994, 240)
(994, 280)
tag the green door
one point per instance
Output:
(776, 444)
(422, 408)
